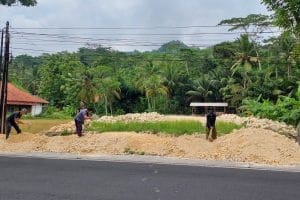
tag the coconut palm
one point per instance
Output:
(153, 87)
(109, 90)
(244, 54)
(202, 89)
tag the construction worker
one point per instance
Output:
(80, 118)
(13, 120)
(211, 132)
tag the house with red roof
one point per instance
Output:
(18, 99)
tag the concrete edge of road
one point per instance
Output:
(155, 160)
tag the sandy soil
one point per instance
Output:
(255, 145)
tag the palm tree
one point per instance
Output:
(153, 87)
(202, 89)
(172, 74)
(109, 90)
(244, 54)
(245, 60)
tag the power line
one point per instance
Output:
(136, 27)
(171, 34)
(122, 28)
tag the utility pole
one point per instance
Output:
(1, 52)
(4, 80)
(1, 71)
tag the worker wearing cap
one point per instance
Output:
(13, 120)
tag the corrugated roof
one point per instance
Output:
(199, 104)
(16, 96)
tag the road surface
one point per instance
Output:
(44, 179)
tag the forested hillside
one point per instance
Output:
(248, 72)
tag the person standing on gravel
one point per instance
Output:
(13, 120)
(80, 118)
(211, 132)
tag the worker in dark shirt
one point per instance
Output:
(80, 118)
(211, 132)
(13, 120)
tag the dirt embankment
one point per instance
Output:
(250, 144)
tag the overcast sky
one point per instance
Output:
(141, 24)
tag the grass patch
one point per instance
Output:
(176, 128)
(226, 127)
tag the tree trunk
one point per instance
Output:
(259, 64)
(288, 70)
(106, 112)
(149, 104)
(187, 67)
(110, 107)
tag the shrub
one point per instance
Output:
(286, 109)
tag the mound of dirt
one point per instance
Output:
(253, 122)
(258, 142)
(253, 145)
(60, 129)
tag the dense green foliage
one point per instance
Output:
(22, 2)
(287, 14)
(285, 109)
(176, 128)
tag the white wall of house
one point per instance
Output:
(36, 109)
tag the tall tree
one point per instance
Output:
(202, 89)
(257, 22)
(22, 2)
(287, 14)
(109, 90)
(253, 25)
(244, 54)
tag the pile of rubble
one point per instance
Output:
(60, 129)
(68, 128)
(257, 142)
(250, 145)
(132, 117)
(253, 122)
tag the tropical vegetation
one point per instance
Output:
(254, 75)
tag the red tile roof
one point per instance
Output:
(16, 96)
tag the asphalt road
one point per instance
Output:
(49, 179)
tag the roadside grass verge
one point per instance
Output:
(175, 128)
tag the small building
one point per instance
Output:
(18, 99)
(203, 107)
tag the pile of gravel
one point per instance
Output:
(132, 117)
(69, 127)
(253, 122)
